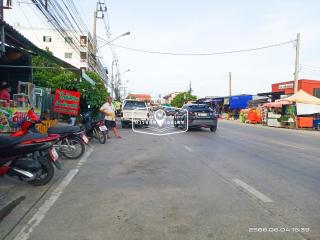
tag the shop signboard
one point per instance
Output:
(285, 86)
(66, 102)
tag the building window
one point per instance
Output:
(68, 55)
(83, 40)
(47, 38)
(83, 56)
(68, 39)
(316, 92)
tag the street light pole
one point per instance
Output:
(296, 70)
(118, 84)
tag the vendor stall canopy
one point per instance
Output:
(302, 97)
(239, 101)
(278, 104)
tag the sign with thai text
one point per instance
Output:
(66, 102)
(285, 86)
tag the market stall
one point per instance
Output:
(276, 114)
(252, 115)
(307, 109)
(15, 105)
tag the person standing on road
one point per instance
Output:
(110, 117)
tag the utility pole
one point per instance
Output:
(98, 13)
(95, 34)
(229, 84)
(112, 79)
(296, 70)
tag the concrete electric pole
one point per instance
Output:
(297, 64)
(95, 34)
(98, 13)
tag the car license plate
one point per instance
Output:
(103, 128)
(54, 154)
(85, 138)
(202, 114)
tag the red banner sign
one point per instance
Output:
(66, 102)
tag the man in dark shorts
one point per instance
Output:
(110, 118)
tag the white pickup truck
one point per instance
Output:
(135, 112)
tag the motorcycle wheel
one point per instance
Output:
(77, 148)
(100, 136)
(47, 172)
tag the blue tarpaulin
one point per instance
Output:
(239, 102)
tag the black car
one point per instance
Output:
(199, 115)
(170, 111)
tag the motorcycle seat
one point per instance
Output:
(63, 129)
(8, 141)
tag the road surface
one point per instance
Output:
(243, 182)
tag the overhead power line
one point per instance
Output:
(202, 54)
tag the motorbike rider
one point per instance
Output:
(110, 117)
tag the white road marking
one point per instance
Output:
(25, 232)
(85, 157)
(253, 191)
(188, 149)
(43, 210)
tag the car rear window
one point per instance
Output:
(199, 107)
(133, 105)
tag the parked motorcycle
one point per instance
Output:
(71, 143)
(94, 129)
(29, 157)
(71, 138)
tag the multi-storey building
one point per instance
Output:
(76, 48)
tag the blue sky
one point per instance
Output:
(202, 26)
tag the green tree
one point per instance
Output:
(56, 77)
(183, 98)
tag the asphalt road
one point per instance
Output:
(243, 182)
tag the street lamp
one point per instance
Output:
(122, 35)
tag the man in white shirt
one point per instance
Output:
(110, 118)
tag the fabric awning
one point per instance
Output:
(278, 104)
(307, 109)
(302, 97)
